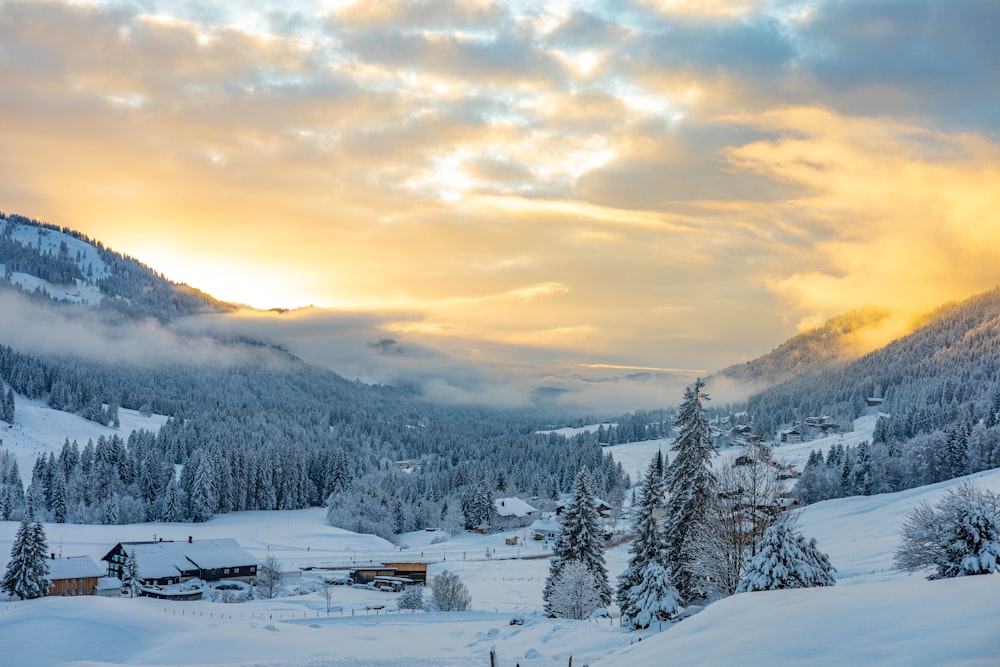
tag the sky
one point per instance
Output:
(596, 200)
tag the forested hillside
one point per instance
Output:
(253, 427)
(824, 347)
(938, 389)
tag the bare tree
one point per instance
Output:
(959, 536)
(574, 592)
(449, 593)
(747, 502)
(268, 578)
(412, 598)
(327, 591)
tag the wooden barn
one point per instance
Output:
(74, 575)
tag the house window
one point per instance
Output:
(226, 571)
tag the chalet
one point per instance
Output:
(412, 573)
(545, 530)
(791, 435)
(602, 508)
(514, 512)
(74, 575)
(162, 563)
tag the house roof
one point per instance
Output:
(74, 567)
(513, 507)
(545, 526)
(168, 559)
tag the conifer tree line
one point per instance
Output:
(276, 433)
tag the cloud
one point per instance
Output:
(893, 214)
(37, 328)
(517, 185)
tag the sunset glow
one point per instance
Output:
(541, 189)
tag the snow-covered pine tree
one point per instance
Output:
(691, 485)
(27, 574)
(652, 599)
(172, 505)
(648, 545)
(131, 577)
(579, 540)
(8, 406)
(786, 560)
(203, 496)
(574, 593)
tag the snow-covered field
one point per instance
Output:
(875, 616)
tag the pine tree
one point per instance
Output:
(131, 576)
(203, 498)
(786, 560)
(652, 599)
(27, 574)
(649, 545)
(172, 506)
(691, 485)
(58, 498)
(579, 540)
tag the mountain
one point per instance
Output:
(88, 331)
(67, 266)
(937, 390)
(839, 340)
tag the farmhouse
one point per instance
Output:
(74, 575)
(162, 563)
(514, 512)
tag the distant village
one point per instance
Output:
(181, 570)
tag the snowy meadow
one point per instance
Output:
(874, 616)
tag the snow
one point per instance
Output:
(911, 623)
(75, 567)
(874, 616)
(38, 429)
(79, 292)
(513, 507)
(573, 431)
(50, 240)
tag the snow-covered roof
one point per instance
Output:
(211, 554)
(74, 567)
(159, 559)
(108, 583)
(167, 559)
(513, 507)
(551, 527)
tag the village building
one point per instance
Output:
(74, 575)
(391, 576)
(163, 563)
(603, 508)
(544, 530)
(513, 513)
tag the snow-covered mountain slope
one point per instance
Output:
(38, 429)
